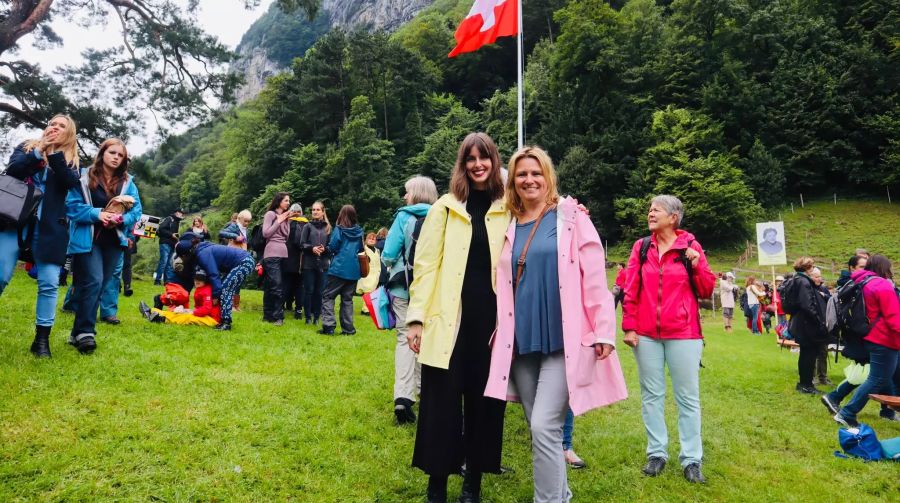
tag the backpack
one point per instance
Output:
(860, 443)
(787, 291)
(745, 305)
(849, 307)
(257, 243)
(405, 277)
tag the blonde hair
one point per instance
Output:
(513, 201)
(324, 216)
(804, 264)
(245, 215)
(68, 144)
(421, 189)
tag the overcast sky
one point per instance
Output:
(226, 19)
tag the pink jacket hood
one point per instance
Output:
(659, 301)
(587, 311)
(882, 309)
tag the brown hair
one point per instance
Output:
(804, 264)
(513, 201)
(750, 281)
(382, 233)
(459, 179)
(95, 177)
(276, 201)
(346, 217)
(880, 265)
(324, 216)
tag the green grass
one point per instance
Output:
(166, 413)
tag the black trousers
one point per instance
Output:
(457, 422)
(126, 268)
(293, 291)
(806, 362)
(313, 284)
(273, 299)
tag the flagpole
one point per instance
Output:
(521, 107)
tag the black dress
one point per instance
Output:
(457, 423)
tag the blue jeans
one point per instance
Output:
(109, 297)
(683, 359)
(47, 277)
(883, 373)
(92, 270)
(164, 270)
(754, 320)
(568, 428)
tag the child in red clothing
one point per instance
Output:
(205, 312)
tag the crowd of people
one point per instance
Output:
(498, 288)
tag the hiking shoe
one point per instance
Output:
(573, 459)
(825, 382)
(808, 390)
(654, 466)
(845, 422)
(111, 320)
(693, 474)
(278, 323)
(298, 314)
(326, 331)
(224, 326)
(128, 291)
(895, 417)
(84, 343)
(348, 333)
(144, 309)
(403, 411)
(829, 404)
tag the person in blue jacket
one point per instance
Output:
(98, 234)
(346, 241)
(226, 268)
(421, 193)
(51, 164)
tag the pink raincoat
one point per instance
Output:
(588, 316)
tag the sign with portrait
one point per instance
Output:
(147, 226)
(770, 243)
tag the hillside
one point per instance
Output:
(826, 231)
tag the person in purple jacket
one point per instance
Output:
(226, 268)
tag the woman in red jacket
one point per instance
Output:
(661, 321)
(882, 341)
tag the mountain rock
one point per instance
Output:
(271, 43)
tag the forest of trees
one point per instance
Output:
(729, 104)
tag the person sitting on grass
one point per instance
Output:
(226, 269)
(206, 313)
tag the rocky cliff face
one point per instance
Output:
(257, 64)
(373, 14)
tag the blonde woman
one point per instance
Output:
(51, 164)
(754, 293)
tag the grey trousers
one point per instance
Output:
(335, 286)
(407, 370)
(541, 382)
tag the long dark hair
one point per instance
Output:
(94, 174)
(276, 201)
(880, 265)
(459, 179)
(346, 217)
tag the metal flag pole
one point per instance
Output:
(521, 107)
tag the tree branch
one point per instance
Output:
(22, 115)
(22, 20)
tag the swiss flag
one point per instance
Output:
(487, 20)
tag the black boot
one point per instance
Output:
(471, 488)
(437, 489)
(40, 348)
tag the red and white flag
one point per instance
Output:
(487, 20)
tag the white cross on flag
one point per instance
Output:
(487, 20)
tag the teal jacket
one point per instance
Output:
(397, 244)
(82, 215)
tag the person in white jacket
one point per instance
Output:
(726, 294)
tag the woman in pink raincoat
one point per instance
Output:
(556, 321)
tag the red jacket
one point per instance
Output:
(882, 309)
(620, 278)
(203, 304)
(659, 301)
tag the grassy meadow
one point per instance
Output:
(263, 413)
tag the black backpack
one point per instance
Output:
(405, 277)
(257, 242)
(850, 307)
(745, 305)
(645, 249)
(788, 293)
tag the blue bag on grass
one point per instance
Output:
(860, 443)
(890, 448)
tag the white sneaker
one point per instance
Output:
(573, 460)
